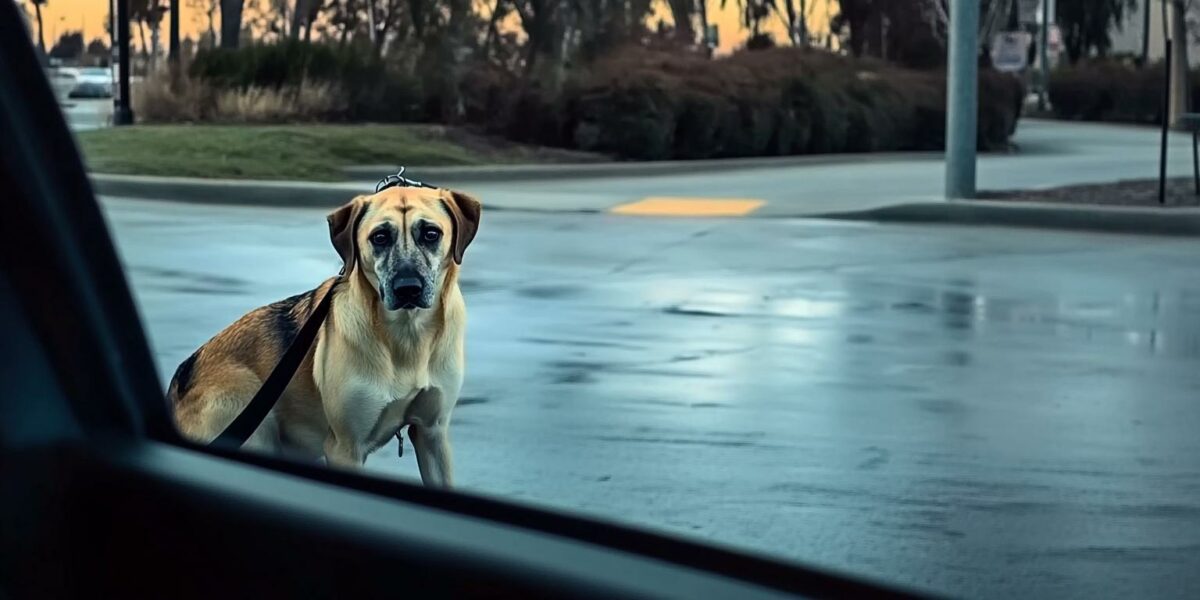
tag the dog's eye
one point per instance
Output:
(431, 235)
(381, 237)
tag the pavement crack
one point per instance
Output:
(621, 268)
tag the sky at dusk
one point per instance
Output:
(89, 15)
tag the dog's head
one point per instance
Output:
(404, 239)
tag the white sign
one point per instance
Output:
(1010, 51)
(1055, 44)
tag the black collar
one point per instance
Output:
(399, 180)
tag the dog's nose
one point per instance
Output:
(408, 288)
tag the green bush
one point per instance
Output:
(375, 89)
(634, 118)
(635, 102)
(644, 104)
(1113, 91)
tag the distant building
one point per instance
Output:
(1128, 39)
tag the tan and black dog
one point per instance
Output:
(389, 354)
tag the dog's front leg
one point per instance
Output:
(434, 458)
(348, 411)
(343, 452)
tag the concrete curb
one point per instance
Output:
(308, 194)
(1145, 221)
(542, 172)
(227, 191)
(271, 194)
(284, 194)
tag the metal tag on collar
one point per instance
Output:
(399, 180)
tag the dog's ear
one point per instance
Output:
(465, 211)
(343, 228)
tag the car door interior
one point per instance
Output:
(101, 498)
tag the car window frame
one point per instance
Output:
(87, 322)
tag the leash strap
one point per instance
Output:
(264, 400)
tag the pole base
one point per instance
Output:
(122, 116)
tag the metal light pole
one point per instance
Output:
(1145, 58)
(962, 92)
(173, 43)
(122, 113)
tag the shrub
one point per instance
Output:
(644, 104)
(304, 102)
(634, 118)
(189, 100)
(374, 89)
(634, 102)
(1113, 91)
(158, 101)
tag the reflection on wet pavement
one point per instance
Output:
(980, 412)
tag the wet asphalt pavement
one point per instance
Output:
(979, 412)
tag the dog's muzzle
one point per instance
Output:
(408, 290)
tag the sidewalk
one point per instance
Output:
(892, 187)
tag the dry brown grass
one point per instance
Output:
(191, 100)
(305, 102)
(157, 101)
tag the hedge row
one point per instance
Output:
(648, 105)
(1112, 91)
(374, 89)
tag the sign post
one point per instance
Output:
(1010, 51)
(1044, 56)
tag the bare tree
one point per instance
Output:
(141, 12)
(992, 16)
(754, 12)
(37, 8)
(794, 16)
(299, 9)
(207, 8)
(544, 22)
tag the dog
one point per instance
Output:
(389, 354)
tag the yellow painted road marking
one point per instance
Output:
(689, 207)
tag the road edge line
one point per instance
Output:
(1126, 220)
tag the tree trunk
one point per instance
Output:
(299, 10)
(1178, 101)
(454, 49)
(37, 7)
(310, 17)
(490, 37)
(372, 30)
(231, 23)
(803, 24)
(681, 12)
(173, 37)
(791, 21)
(212, 30)
(543, 62)
(856, 21)
(142, 36)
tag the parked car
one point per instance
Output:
(63, 80)
(93, 82)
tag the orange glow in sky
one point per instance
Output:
(61, 16)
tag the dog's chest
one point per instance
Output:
(394, 374)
